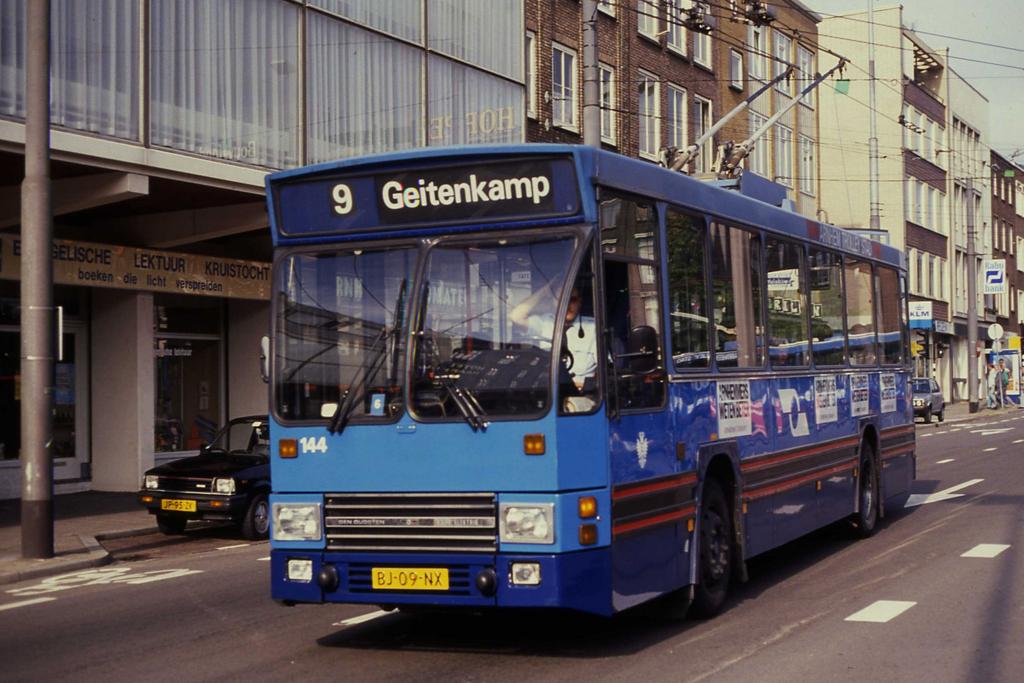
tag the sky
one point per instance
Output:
(994, 29)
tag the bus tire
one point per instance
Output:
(715, 552)
(865, 521)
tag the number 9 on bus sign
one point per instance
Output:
(342, 195)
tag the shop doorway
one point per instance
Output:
(70, 449)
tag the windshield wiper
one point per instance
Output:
(378, 352)
(466, 402)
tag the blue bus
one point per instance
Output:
(550, 376)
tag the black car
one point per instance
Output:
(928, 400)
(228, 481)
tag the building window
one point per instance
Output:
(649, 115)
(676, 31)
(215, 67)
(784, 155)
(758, 161)
(702, 48)
(607, 6)
(563, 87)
(782, 53)
(608, 112)
(807, 172)
(702, 122)
(805, 67)
(676, 117)
(647, 18)
(531, 74)
(758, 44)
(736, 69)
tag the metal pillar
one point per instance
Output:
(37, 341)
(591, 76)
(972, 303)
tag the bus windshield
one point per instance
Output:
(486, 327)
(339, 339)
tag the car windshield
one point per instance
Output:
(487, 325)
(243, 435)
(921, 386)
(339, 340)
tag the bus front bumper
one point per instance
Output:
(578, 580)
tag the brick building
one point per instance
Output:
(1004, 241)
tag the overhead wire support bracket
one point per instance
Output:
(733, 154)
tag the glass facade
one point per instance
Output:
(278, 83)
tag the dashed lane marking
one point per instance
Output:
(25, 603)
(1017, 440)
(881, 611)
(987, 450)
(264, 559)
(361, 618)
(923, 436)
(232, 547)
(986, 550)
(943, 462)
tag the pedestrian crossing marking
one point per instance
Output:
(986, 550)
(881, 611)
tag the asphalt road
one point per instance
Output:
(904, 605)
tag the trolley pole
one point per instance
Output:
(591, 76)
(972, 303)
(37, 342)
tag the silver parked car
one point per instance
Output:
(928, 399)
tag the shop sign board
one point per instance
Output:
(921, 315)
(995, 276)
(102, 265)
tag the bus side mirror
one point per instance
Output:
(265, 358)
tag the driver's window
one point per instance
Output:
(577, 371)
(629, 240)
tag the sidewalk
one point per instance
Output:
(82, 520)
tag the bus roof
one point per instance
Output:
(589, 167)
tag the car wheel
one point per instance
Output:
(715, 552)
(942, 414)
(865, 520)
(256, 524)
(172, 526)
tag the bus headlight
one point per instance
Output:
(296, 521)
(527, 522)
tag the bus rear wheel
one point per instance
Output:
(715, 550)
(865, 520)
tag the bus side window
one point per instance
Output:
(860, 311)
(687, 290)
(825, 274)
(736, 297)
(890, 331)
(787, 303)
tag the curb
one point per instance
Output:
(95, 555)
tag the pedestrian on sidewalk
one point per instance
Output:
(990, 383)
(1004, 380)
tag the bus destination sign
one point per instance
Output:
(508, 190)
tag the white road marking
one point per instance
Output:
(990, 432)
(1017, 440)
(881, 611)
(232, 547)
(25, 603)
(946, 494)
(361, 618)
(987, 550)
(989, 449)
(263, 559)
(925, 435)
(943, 462)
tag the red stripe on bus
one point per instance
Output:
(651, 521)
(681, 480)
(773, 460)
(754, 494)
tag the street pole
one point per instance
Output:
(874, 216)
(972, 304)
(37, 342)
(591, 76)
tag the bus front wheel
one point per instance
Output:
(715, 552)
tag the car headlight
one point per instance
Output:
(527, 522)
(296, 521)
(225, 485)
(151, 481)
